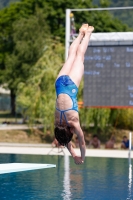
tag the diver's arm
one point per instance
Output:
(71, 149)
(81, 140)
(77, 159)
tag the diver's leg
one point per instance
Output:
(73, 51)
(77, 69)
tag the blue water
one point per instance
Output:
(96, 179)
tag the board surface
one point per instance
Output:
(17, 167)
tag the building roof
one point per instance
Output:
(112, 38)
(4, 91)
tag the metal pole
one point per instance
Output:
(130, 167)
(68, 11)
(67, 39)
(130, 181)
(100, 9)
(66, 181)
(130, 143)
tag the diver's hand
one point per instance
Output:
(78, 160)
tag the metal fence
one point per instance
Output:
(5, 102)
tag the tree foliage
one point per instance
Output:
(29, 37)
(31, 54)
(5, 3)
(24, 45)
(36, 97)
(125, 15)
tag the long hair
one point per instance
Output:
(63, 135)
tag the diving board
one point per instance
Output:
(18, 167)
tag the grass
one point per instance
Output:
(23, 136)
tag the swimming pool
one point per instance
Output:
(97, 179)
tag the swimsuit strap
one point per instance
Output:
(62, 112)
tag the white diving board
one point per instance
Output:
(18, 167)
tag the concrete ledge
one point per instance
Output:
(42, 149)
(17, 127)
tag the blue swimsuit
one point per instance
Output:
(64, 85)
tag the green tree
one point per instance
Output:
(5, 3)
(36, 97)
(121, 118)
(29, 39)
(25, 28)
(98, 118)
(102, 21)
(125, 15)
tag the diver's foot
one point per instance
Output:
(83, 29)
(90, 29)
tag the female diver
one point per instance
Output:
(67, 83)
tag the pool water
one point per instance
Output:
(96, 179)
